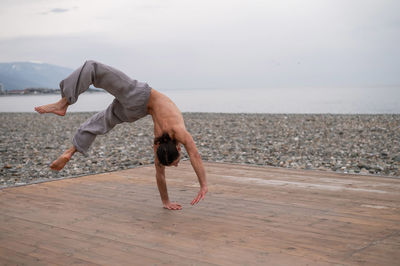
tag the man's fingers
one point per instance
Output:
(196, 200)
(173, 206)
(199, 197)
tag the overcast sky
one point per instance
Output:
(213, 43)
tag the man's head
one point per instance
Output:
(168, 151)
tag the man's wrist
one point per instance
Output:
(165, 201)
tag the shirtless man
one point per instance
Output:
(133, 100)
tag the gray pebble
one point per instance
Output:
(366, 144)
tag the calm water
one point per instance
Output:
(354, 100)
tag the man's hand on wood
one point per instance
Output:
(172, 206)
(200, 196)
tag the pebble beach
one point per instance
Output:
(354, 144)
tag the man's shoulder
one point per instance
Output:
(179, 129)
(182, 135)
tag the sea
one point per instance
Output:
(367, 100)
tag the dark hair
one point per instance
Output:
(166, 151)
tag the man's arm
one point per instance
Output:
(162, 185)
(195, 159)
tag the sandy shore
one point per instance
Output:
(367, 144)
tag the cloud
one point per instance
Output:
(58, 10)
(213, 43)
(173, 63)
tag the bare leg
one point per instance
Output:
(58, 108)
(63, 159)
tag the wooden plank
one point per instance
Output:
(80, 245)
(10, 256)
(252, 215)
(43, 255)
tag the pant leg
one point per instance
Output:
(98, 124)
(102, 76)
(76, 83)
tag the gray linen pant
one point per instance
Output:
(129, 105)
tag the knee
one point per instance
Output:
(90, 62)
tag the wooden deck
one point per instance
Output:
(251, 216)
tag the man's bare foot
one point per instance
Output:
(59, 163)
(63, 159)
(58, 108)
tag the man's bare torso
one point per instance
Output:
(166, 116)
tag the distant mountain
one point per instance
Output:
(21, 75)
